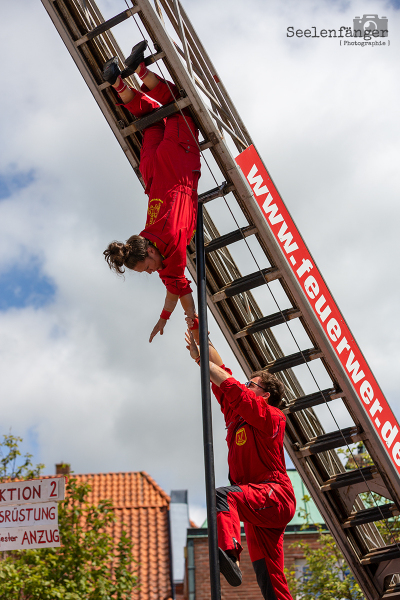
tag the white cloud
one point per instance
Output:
(80, 371)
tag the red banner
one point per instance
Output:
(321, 302)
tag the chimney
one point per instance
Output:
(179, 524)
(63, 469)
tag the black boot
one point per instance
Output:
(229, 569)
(136, 56)
(111, 70)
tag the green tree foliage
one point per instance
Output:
(81, 568)
(326, 576)
(9, 452)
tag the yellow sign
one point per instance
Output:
(241, 437)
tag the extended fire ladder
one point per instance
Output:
(286, 262)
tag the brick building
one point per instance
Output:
(142, 509)
(171, 553)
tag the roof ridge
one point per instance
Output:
(156, 486)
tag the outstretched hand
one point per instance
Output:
(191, 345)
(159, 328)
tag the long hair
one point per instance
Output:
(119, 255)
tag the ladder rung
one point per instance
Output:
(155, 116)
(349, 478)
(380, 554)
(392, 593)
(248, 282)
(205, 144)
(226, 240)
(370, 515)
(218, 192)
(268, 322)
(229, 238)
(107, 25)
(293, 360)
(312, 400)
(330, 441)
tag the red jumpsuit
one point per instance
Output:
(261, 494)
(170, 166)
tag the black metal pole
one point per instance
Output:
(206, 405)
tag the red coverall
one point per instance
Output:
(261, 494)
(170, 166)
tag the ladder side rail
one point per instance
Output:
(220, 85)
(315, 421)
(341, 536)
(351, 398)
(314, 326)
(183, 37)
(205, 65)
(208, 79)
(90, 81)
(202, 82)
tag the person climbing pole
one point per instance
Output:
(170, 167)
(261, 494)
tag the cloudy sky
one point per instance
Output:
(80, 382)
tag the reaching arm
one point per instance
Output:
(213, 354)
(192, 341)
(188, 305)
(171, 301)
(214, 357)
(217, 374)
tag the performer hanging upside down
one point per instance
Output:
(261, 494)
(170, 166)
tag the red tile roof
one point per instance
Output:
(141, 509)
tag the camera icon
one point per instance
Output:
(370, 23)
